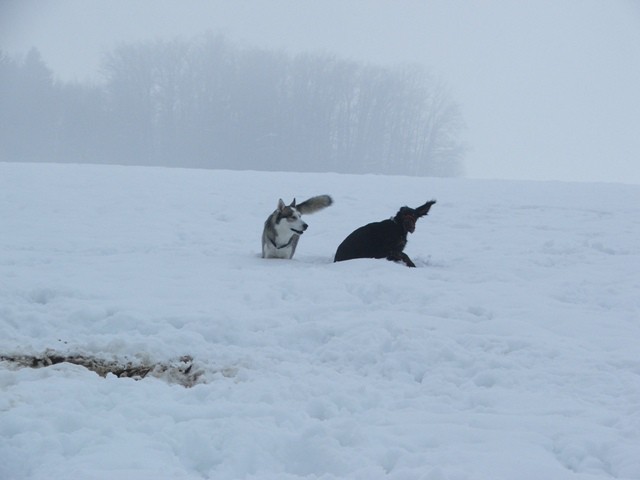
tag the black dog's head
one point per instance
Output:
(407, 217)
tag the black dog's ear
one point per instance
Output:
(280, 205)
(293, 204)
(422, 210)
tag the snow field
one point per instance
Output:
(510, 352)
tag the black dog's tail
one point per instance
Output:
(314, 204)
(422, 210)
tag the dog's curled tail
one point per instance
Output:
(314, 204)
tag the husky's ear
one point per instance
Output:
(280, 205)
(293, 204)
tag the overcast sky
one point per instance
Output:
(550, 89)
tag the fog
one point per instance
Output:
(547, 89)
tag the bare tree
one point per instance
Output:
(28, 112)
(209, 103)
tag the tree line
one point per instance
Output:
(209, 103)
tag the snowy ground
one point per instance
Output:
(511, 352)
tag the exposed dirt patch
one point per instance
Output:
(183, 371)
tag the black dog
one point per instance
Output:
(385, 239)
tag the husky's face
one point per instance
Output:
(289, 217)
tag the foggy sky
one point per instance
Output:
(549, 89)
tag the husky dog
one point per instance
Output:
(385, 239)
(284, 226)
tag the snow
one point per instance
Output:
(510, 352)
